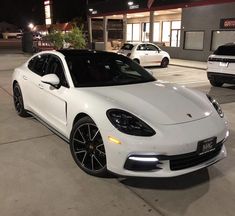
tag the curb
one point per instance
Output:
(186, 66)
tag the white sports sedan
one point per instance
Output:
(145, 54)
(117, 117)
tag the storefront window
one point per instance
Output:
(194, 40)
(145, 31)
(222, 37)
(166, 30)
(156, 33)
(133, 32)
(175, 33)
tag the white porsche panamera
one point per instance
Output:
(117, 117)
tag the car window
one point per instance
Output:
(141, 47)
(102, 69)
(55, 67)
(151, 47)
(38, 64)
(127, 47)
(225, 50)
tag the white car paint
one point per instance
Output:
(163, 106)
(145, 57)
(221, 65)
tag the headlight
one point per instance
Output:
(128, 123)
(216, 106)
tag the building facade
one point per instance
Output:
(186, 29)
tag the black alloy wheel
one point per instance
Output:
(165, 62)
(87, 147)
(18, 101)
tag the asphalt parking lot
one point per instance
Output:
(38, 175)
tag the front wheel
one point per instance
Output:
(216, 83)
(87, 147)
(18, 101)
(165, 62)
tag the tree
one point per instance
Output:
(56, 37)
(75, 38)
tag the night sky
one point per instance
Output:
(21, 12)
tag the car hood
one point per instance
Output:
(157, 102)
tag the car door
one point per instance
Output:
(54, 99)
(142, 54)
(154, 56)
(31, 82)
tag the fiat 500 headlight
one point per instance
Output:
(216, 106)
(128, 123)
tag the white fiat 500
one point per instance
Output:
(221, 65)
(117, 117)
(146, 54)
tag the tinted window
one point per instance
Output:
(55, 67)
(142, 47)
(225, 50)
(127, 47)
(151, 47)
(38, 64)
(105, 69)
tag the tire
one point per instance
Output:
(18, 101)
(136, 61)
(165, 62)
(87, 147)
(216, 83)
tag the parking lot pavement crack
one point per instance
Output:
(27, 139)
(140, 197)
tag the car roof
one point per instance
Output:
(229, 44)
(75, 52)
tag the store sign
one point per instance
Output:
(134, 6)
(227, 23)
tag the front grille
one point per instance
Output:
(188, 161)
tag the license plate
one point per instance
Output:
(223, 64)
(207, 145)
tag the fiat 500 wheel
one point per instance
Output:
(165, 62)
(87, 147)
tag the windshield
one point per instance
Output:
(105, 69)
(127, 47)
(225, 50)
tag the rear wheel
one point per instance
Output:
(18, 101)
(87, 147)
(216, 83)
(165, 62)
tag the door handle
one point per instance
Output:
(40, 86)
(25, 77)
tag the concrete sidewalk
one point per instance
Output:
(189, 63)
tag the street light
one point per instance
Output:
(31, 26)
(130, 3)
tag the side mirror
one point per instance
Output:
(51, 79)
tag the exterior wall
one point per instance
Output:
(203, 18)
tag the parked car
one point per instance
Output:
(221, 65)
(117, 117)
(146, 54)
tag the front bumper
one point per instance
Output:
(171, 152)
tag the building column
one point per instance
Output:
(90, 31)
(151, 26)
(105, 32)
(124, 28)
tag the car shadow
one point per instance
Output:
(223, 94)
(174, 183)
